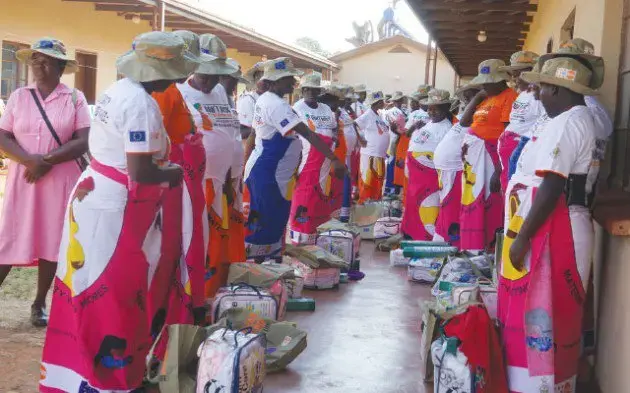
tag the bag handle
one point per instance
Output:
(244, 285)
(245, 330)
(49, 124)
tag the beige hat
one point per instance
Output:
(49, 47)
(565, 72)
(360, 88)
(258, 67)
(338, 91)
(580, 48)
(192, 45)
(398, 95)
(212, 45)
(156, 56)
(280, 68)
(521, 60)
(437, 97)
(313, 81)
(374, 97)
(238, 74)
(490, 72)
(423, 90)
(466, 87)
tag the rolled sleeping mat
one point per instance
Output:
(428, 252)
(422, 243)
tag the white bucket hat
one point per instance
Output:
(566, 72)
(490, 72)
(213, 45)
(280, 68)
(258, 67)
(374, 97)
(437, 97)
(361, 88)
(156, 56)
(49, 47)
(313, 81)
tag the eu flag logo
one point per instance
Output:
(137, 136)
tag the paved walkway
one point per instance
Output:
(363, 337)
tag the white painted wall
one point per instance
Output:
(389, 72)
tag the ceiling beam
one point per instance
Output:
(458, 34)
(123, 8)
(477, 6)
(488, 27)
(439, 16)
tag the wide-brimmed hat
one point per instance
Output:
(337, 91)
(437, 97)
(193, 46)
(280, 68)
(374, 97)
(469, 86)
(490, 72)
(238, 74)
(313, 81)
(212, 45)
(580, 48)
(566, 72)
(398, 95)
(258, 67)
(360, 88)
(521, 60)
(157, 55)
(50, 47)
(423, 90)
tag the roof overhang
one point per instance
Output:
(455, 24)
(181, 16)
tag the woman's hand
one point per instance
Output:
(340, 169)
(518, 251)
(495, 181)
(36, 168)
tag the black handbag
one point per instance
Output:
(81, 161)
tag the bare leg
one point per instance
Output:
(45, 276)
(4, 272)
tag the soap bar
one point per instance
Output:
(301, 304)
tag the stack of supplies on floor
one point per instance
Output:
(365, 216)
(258, 300)
(424, 259)
(319, 268)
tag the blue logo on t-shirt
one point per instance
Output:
(137, 136)
(284, 123)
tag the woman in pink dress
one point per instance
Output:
(44, 166)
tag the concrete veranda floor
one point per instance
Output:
(363, 337)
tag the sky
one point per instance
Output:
(328, 21)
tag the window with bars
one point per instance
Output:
(13, 73)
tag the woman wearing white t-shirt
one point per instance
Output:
(215, 120)
(372, 162)
(271, 171)
(525, 111)
(311, 205)
(448, 163)
(112, 227)
(549, 236)
(422, 197)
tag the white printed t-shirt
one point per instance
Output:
(273, 115)
(320, 120)
(376, 133)
(448, 153)
(416, 116)
(215, 120)
(359, 108)
(245, 107)
(526, 110)
(127, 120)
(352, 142)
(424, 141)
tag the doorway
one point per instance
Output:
(85, 78)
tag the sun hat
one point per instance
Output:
(464, 88)
(360, 88)
(50, 47)
(521, 60)
(212, 45)
(350, 92)
(398, 95)
(258, 67)
(313, 81)
(337, 91)
(437, 97)
(157, 55)
(580, 48)
(566, 72)
(490, 72)
(193, 46)
(374, 97)
(238, 74)
(423, 90)
(280, 68)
